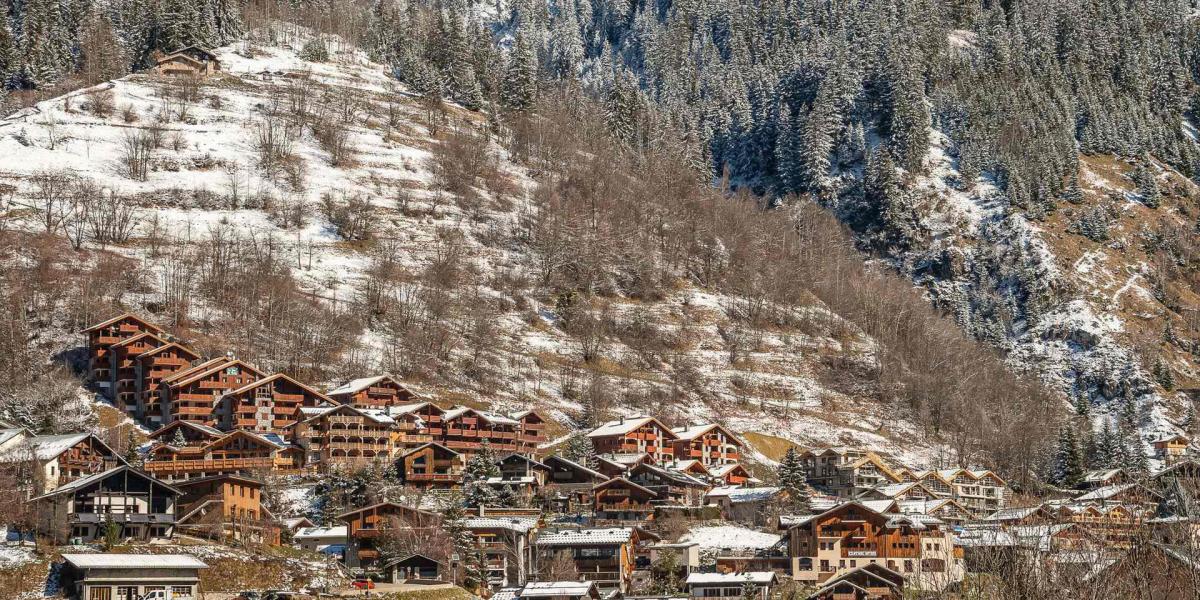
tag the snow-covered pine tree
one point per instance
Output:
(476, 490)
(1068, 462)
(520, 86)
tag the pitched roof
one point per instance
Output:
(136, 561)
(574, 465)
(1108, 491)
(622, 480)
(213, 368)
(77, 484)
(584, 537)
(402, 508)
(628, 424)
(756, 494)
(357, 385)
(755, 577)
(308, 533)
(193, 369)
(49, 447)
(725, 469)
(1013, 513)
(427, 444)
(265, 380)
(517, 524)
(691, 432)
(313, 413)
(122, 317)
(200, 427)
(139, 337)
(165, 347)
(554, 589)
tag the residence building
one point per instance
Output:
(123, 365)
(366, 526)
(853, 534)
(151, 368)
(635, 435)
(605, 556)
(709, 443)
(137, 505)
(506, 544)
(379, 392)
(1171, 448)
(620, 500)
(343, 434)
(845, 472)
(194, 394)
(320, 539)
(225, 507)
(431, 465)
(237, 452)
(192, 61)
(268, 404)
(732, 585)
(870, 582)
(54, 460)
(568, 486)
(100, 339)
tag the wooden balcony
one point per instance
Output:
(415, 477)
(197, 466)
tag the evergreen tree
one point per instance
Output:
(792, 479)
(520, 86)
(476, 490)
(1069, 469)
(178, 440)
(472, 574)
(1163, 375)
(45, 44)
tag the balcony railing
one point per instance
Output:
(133, 518)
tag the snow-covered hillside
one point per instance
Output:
(207, 182)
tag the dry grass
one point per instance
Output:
(770, 446)
(27, 578)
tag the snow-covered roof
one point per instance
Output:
(526, 480)
(626, 425)
(691, 432)
(730, 536)
(1106, 492)
(1017, 513)
(7, 435)
(1101, 475)
(508, 593)
(753, 494)
(572, 464)
(586, 537)
(722, 491)
(755, 577)
(135, 561)
(82, 482)
(517, 524)
(310, 533)
(725, 469)
(550, 589)
(357, 385)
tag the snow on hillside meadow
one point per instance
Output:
(781, 387)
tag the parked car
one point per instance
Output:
(363, 583)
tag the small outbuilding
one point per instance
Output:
(130, 576)
(415, 568)
(192, 61)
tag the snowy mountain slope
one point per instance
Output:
(206, 185)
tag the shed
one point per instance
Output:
(415, 568)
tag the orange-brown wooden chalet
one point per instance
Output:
(532, 429)
(153, 366)
(237, 452)
(431, 465)
(465, 430)
(185, 433)
(419, 422)
(731, 474)
(709, 443)
(194, 394)
(61, 458)
(691, 467)
(343, 434)
(225, 507)
(635, 435)
(267, 404)
(101, 337)
(380, 391)
(123, 362)
(365, 526)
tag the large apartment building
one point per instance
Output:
(846, 472)
(100, 339)
(635, 435)
(708, 443)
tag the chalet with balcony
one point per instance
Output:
(853, 535)
(732, 474)
(151, 368)
(379, 392)
(1128, 494)
(568, 486)
(506, 543)
(113, 576)
(100, 338)
(1117, 525)
(709, 443)
(1171, 448)
(946, 510)
(620, 500)
(235, 453)
(1102, 477)
(871, 582)
(910, 490)
(431, 465)
(267, 404)
(55, 460)
(365, 526)
(124, 367)
(531, 431)
(670, 487)
(1020, 516)
(731, 585)
(522, 474)
(343, 434)
(691, 467)
(606, 556)
(225, 507)
(846, 473)
(138, 505)
(982, 492)
(419, 423)
(465, 430)
(185, 433)
(635, 435)
(195, 394)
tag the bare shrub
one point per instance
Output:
(137, 146)
(101, 103)
(334, 139)
(272, 144)
(352, 216)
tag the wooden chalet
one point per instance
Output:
(140, 506)
(124, 366)
(101, 337)
(1102, 477)
(419, 422)
(431, 465)
(268, 404)
(521, 474)
(416, 569)
(152, 367)
(635, 435)
(380, 391)
(195, 394)
(365, 526)
(1021, 515)
(568, 486)
(185, 433)
(237, 452)
(466, 429)
(606, 556)
(1171, 448)
(55, 460)
(946, 510)
(669, 487)
(691, 467)
(752, 585)
(731, 474)
(1153, 570)
(845, 472)
(192, 61)
(620, 500)
(870, 582)
(225, 507)
(709, 443)
(853, 535)
(343, 434)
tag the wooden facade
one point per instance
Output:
(568, 486)
(343, 434)
(191, 61)
(100, 338)
(194, 394)
(124, 365)
(711, 444)
(237, 452)
(620, 500)
(267, 404)
(140, 506)
(152, 367)
(606, 556)
(365, 526)
(225, 507)
(635, 435)
(381, 391)
(431, 465)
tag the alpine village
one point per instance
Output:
(600, 300)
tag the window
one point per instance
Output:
(908, 567)
(180, 592)
(127, 592)
(100, 593)
(853, 564)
